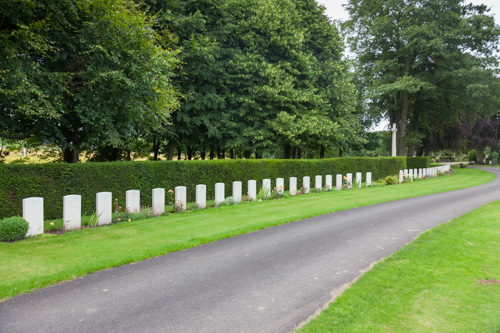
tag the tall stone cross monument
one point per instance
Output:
(394, 130)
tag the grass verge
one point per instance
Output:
(448, 280)
(48, 259)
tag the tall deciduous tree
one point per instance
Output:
(94, 75)
(424, 63)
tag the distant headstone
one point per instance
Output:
(266, 185)
(219, 193)
(103, 207)
(293, 185)
(349, 180)
(329, 182)
(252, 189)
(158, 204)
(420, 173)
(180, 198)
(338, 182)
(72, 212)
(133, 201)
(358, 179)
(401, 176)
(280, 184)
(306, 184)
(410, 174)
(318, 180)
(201, 196)
(368, 179)
(415, 173)
(24, 152)
(405, 172)
(33, 213)
(237, 191)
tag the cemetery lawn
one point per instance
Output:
(48, 259)
(447, 280)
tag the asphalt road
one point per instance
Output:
(266, 281)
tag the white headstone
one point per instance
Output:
(318, 182)
(415, 173)
(338, 182)
(420, 173)
(400, 176)
(158, 201)
(306, 184)
(349, 180)
(33, 213)
(180, 198)
(201, 196)
(24, 151)
(219, 193)
(103, 207)
(72, 212)
(280, 184)
(405, 172)
(252, 189)
(293, 185)
(358, 179)
(237, 191)
(411, 174)
(368, 179)
(133, 201)
(328, 182)
(266, 186)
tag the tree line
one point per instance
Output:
(243, 78)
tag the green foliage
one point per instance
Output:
(472, 156)
(53, 181)
(418, 162)
(494, 156)
(391, 180)
(13, 229)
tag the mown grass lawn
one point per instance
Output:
(448, 280)
(45, 260)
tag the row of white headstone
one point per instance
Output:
(412, 174)
(72, 204)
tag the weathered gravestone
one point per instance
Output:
(306, 184)
(158, 198)
(72, 212)
(133, 201)
(338, 182)
(201, 196)
(33, 213)
(293, 185)
(252, 189)
(219, 193)
(180, 199)
(237, 191)
(103, 208)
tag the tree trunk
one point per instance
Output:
(340, 151)
(287, 150)
(212, 153)
(170, 150)
(203, 153)
(179, 153)
(189, 152)
(156, 148)
(258, 155)
(70, 155)
(322, 152)
(231, 153)
(479, 155)
(247, 154)
(411, 150)
(420, 151)
(223, 154)
(299, 153)
(402, 125)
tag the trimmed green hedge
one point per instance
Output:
(418, 162)
(53, 181)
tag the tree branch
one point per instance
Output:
(21, 136)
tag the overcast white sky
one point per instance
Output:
(335, 11)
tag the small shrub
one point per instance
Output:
(13, 229)
(263, 193)
(494, 156)
(230, 201)
(390, 180)
(315, 190)
(472, 156)
(278, 192)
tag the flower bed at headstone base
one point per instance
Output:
(53, 181)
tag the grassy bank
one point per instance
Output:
(448, 280)
(45, 260)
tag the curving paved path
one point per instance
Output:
(266, 281)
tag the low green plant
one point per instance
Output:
(494, 156)
(263, 193)
(93, 219)
(13, 229)
(230, 201)
(390, 180)
(315, 190)
(278, 192)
